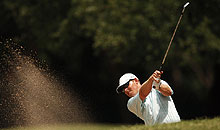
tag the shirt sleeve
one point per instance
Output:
(141, 109)
(134, 105)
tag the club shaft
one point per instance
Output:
(171, 40)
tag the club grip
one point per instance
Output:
(161, 67)
(155, 85)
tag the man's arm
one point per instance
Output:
(147, 85)
(165, 90)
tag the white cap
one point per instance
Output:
(124, 79)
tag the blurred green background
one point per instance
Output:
(91, 43)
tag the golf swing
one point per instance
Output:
(153, 106)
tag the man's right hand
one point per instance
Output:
(156, 76)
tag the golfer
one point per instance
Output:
(150, 101)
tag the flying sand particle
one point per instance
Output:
(31, 95)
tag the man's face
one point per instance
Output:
(133, 88)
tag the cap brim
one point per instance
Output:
(119, 89)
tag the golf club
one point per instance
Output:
(155, 85)
(161, 66)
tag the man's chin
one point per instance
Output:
(131, 94)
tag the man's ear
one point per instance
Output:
(136, 80)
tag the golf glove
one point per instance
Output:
(156, 85)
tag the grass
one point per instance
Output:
(198, 124)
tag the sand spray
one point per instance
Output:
(31, 95)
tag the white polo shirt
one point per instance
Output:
(155, 109)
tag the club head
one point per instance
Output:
(186, 5)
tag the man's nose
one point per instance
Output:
(127, 89)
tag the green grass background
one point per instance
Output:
(198, 124)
